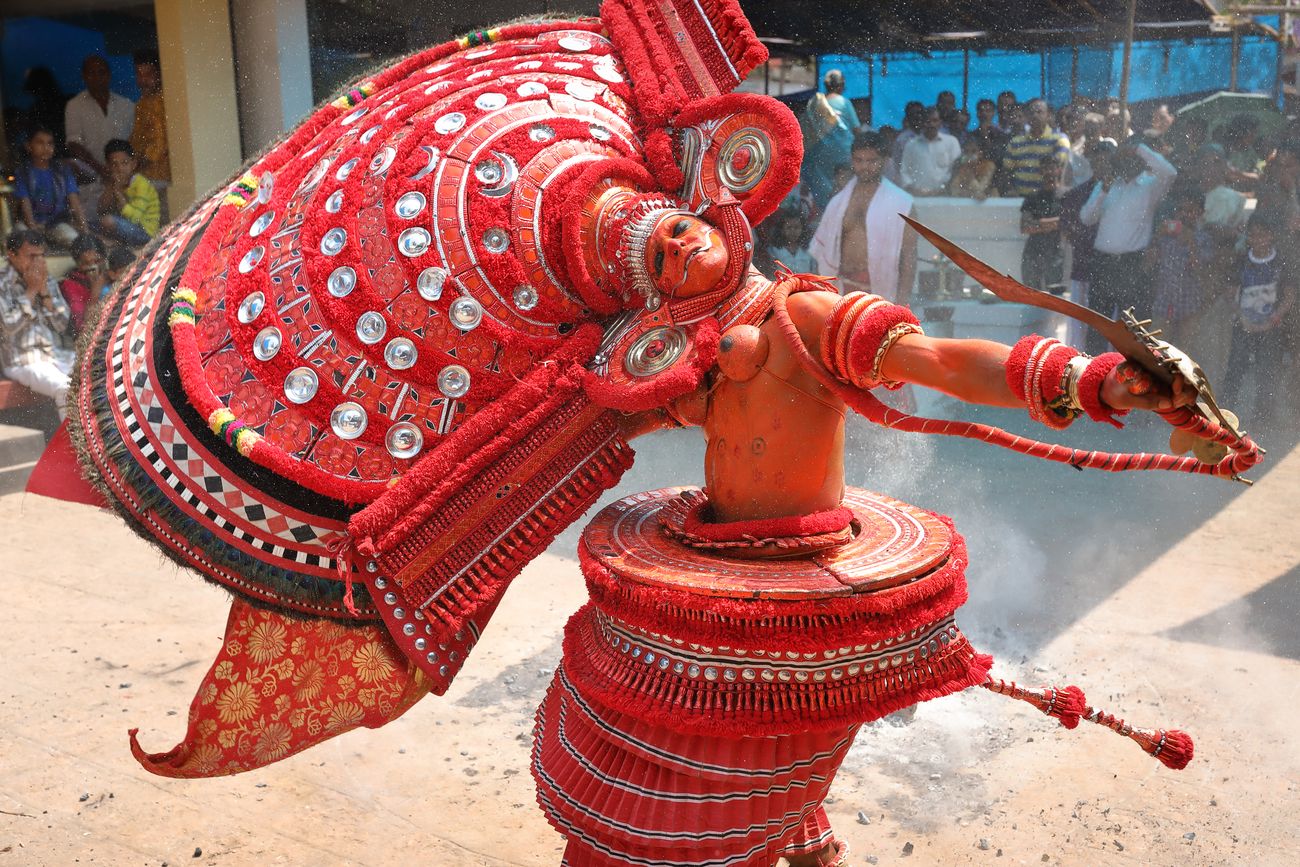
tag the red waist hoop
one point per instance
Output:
(702, 643)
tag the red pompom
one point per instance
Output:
(1173, 748)
(1069, 706)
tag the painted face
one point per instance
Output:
(685, 255)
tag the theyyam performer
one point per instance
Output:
(365, 382)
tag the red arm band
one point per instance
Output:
(1090, 389)
(857, 335)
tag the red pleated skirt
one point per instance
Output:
(627, 792)
(703, 706)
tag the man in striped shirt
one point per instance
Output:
(1026, 151)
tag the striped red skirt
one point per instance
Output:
(704, 703)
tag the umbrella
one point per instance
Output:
(1217, 109)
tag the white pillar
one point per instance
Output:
(199, 94)
(273, 67)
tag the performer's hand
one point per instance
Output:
(1128, 386)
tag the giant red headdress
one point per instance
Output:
(377, 372)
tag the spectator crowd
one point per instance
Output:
(1158, 219)
(91, 183)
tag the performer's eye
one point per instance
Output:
(659, 264)
(680, 227)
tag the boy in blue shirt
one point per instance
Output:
(47, 194)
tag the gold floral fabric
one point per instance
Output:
(283, 684)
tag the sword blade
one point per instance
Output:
(1009, 289)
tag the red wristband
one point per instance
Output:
(1090, 389)
(869, 334)
(1054, 368)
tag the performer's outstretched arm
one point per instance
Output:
(974, 371)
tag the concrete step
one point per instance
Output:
(20, 448)
(14, 478)
(19, 445)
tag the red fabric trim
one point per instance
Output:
(455, 567)
(829, 521)
(408, 504)
(1090, 389)
(661, 157)
(664, 79)
(595, 292)
(731, 710)
(657, 94)
(1018, 361)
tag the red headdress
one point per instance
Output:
(371, 377)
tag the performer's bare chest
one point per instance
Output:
(775, 435)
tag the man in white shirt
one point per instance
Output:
(1123, 209)
(928, 158)
(913, 120)
(93, 118)
(861, 239)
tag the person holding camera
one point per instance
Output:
(33, 319)
(84, 285)
(1123, 208)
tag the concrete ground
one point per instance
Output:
(1170, 601)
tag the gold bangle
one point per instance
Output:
(891, 337)
(1070, 380)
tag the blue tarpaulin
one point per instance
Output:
(1161, 69)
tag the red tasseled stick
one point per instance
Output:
(1067, 705)
(1172, 747)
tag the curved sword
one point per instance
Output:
(1130, 337)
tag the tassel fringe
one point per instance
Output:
(1173, 748)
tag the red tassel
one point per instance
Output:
(340, 548)
(1173, 748)
(1067, 705)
